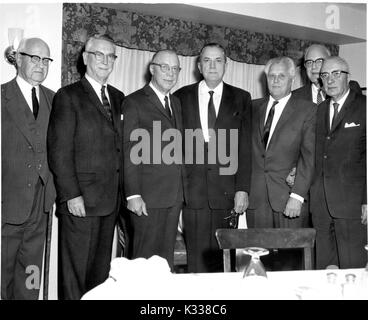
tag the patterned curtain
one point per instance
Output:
(152, 33)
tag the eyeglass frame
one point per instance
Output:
(313, 62)
(165, 68)
(36, 59)
(100, 56)
(336, 74)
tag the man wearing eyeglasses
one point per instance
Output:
(338, 192)
(28, 191)
(210, 106)
(85, 156)
(154, 187)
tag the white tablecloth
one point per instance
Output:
(152, 283)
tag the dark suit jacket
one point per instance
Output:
(291, 145)
(85, 148)
(341, 158)
(159, 184)
(24, 158)
(204, 186)
(304, 92)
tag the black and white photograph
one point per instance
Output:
(183, 151)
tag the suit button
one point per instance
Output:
(29, 185)
(118, 170)
(324, 157)
(266, 171)
(118, 150)
(29, 147)
(263, 156)
(29, 166)
(328, 137)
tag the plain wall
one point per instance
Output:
(355, 55)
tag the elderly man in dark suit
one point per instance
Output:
(153, 181)
(28, 191)
(339, 192)
(85, 155)
(212, 108)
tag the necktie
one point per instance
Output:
(167, 108)
(267, 127)
(319, 96)
(105, 103)
(336, 111)
(35, 105)
(211, 112)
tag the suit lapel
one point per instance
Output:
(177, 112)
(93, 98)
(155, 101)
(47, 98)
(285, 115)
(226, 108)
(19, 110)
(345, 109)
(262, 115)
(115, 108)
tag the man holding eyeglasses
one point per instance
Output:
(338, 192)
(209, 106)
(28, 191)
(85, 156)
(154, 188)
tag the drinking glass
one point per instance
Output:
(255, 266)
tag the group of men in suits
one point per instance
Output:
(95, 140)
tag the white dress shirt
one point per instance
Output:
(279, 108)
(26, 89)
(161, 96)
(315, 92)
(203, 99)
(340, 102)
(97, 87)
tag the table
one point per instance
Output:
(146, 282)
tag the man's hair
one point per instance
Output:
(290, 64)
(321, 46)
(98, 37)
(160, 51)
(212, 44)
(339, 60)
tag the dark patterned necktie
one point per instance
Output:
(211, 112)
(167, 107)
(106, 103)
(35, 105)
(336, 111)
(267, 127)
(319, 96)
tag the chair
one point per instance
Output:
(269, 238)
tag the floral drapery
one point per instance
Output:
(152, 33)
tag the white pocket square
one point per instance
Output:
(351, 125)
(121, 117)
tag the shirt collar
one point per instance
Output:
(283, 100)
(341, 101)
(160, 95)
(95, 85)
(203, 88)
(24, 86)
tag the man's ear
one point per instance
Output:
(85, 58)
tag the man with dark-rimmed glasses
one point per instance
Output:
(154, 188)
(28, 191)
(85, 156)
(339, 193)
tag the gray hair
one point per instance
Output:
(104, 37)
(290, 64)
(339, 60)
(320, 46)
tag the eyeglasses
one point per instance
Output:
(166, 68)
(36, 59)
(101, 56)
(334, 74)
(309, 63)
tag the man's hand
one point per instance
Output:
(291, 177)
(241, 201)
(364, 214)
(76, 207)
(293, 208)
(138, 206)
